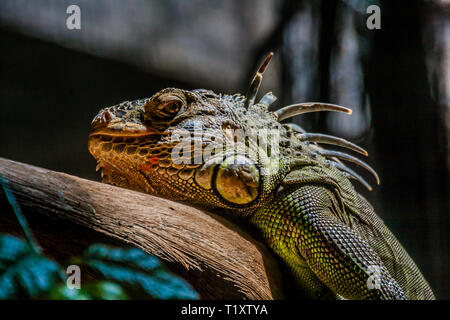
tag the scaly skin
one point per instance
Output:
(299, 196)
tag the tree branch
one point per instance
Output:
(218, 258)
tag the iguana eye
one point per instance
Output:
(173, 107)
(237, 180)
(164, 106)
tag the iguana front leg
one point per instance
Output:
(301, 226)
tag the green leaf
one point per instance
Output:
(23, 273)
(106, 290)
(103, 290)
(137, 272)
(62, 292)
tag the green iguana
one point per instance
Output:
(226, 151)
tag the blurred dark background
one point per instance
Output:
(396, 79)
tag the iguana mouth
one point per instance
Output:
(103, 132)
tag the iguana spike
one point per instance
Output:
(256, 82)
(324, 138)
(352, 174)
(295, 109)
(344, 156)
(295, 127)
(268, 99)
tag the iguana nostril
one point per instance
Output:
(106, 116)
(103, 118)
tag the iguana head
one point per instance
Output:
(213, 149)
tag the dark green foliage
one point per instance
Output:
(141, 274)
(129, 273)
(23, 273)
(101, 290)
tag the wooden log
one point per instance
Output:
(220, 259)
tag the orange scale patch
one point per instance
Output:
(150, 165)
(154, 160)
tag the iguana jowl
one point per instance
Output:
(205, 148)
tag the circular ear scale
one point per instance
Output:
(237, 180)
